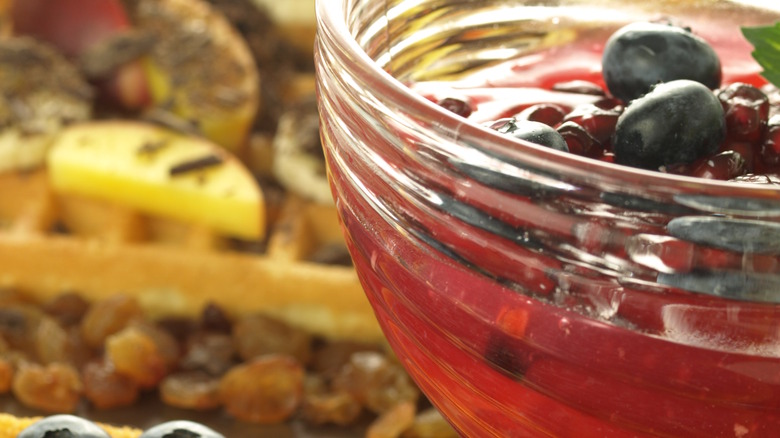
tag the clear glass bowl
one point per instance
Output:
(531, 292)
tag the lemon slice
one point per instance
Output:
(161, 172)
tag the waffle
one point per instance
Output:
(52, 242)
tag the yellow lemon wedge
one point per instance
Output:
(158, 171)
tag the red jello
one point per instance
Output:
(533, 292)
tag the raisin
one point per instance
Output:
(105, 388)
(267, 389)
(376, 381)
(68, 308)
(52, 342)
(190, 390)
(135, 354)
(324, 406)
(257, 335)
(52, 388)
(213, 353)
(107, 317)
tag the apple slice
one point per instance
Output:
(159, 171)
(201, 69)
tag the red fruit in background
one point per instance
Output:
(71, 25)
(76, 26)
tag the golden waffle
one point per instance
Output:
(50, 243)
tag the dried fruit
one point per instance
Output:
(322, 406)
(267, 389)
(134, 353)
(191, 390)
(52, 343)
(213, 353)
(52, 388)
(105, 388)
(107, 317)
(376, 381)
(257, 335)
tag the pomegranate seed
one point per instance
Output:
(547, 113)
(723, 166)
(747, 111)
(598, 122)
(579, 140)
(769, 149)
(456, 105)
(608, 157)
(745, 149)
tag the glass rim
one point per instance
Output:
(330, 16)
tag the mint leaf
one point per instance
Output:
(766, 42)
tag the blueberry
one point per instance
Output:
(63, 426)
(675, 123)
(534, 132)
(180, 429)
(640, 55)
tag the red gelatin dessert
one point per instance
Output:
(565, 216)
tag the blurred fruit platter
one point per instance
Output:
(168, 243)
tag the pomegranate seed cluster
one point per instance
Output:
(663, 109)
(751, 145)
(68, 354)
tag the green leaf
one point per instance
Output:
(766, 42)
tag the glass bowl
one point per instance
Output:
(533, 292)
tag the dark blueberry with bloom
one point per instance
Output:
(677, 122)
(63, 426)
(180, 429)
(641, 55)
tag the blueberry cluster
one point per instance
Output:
(71, 426)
